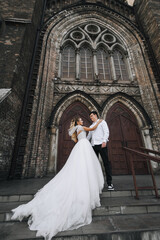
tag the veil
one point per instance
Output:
(72, 130)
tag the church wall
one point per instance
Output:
(50, 90)
(148, 18)
(18, 27)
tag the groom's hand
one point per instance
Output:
(104, 144)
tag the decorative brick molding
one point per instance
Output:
(52, 95)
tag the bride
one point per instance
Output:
(66, 201)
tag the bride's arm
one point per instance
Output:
(93, 128)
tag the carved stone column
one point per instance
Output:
(52, 164)
(113, 72)
(148, 144)
(95, 66)
(60, 64)
(127, 63)
(77, 64)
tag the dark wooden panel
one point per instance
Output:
(124, 131)
(116, 153)
(65, 144)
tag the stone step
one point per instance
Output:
(109, 206)
(127, 205)
(119, 227)
(122, 183)
(119, 193)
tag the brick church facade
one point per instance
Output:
(63, 58)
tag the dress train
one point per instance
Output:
(66, 201)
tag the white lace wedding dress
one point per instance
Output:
(66, 202)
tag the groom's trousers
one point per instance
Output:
(107, 164)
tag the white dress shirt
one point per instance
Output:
(100, 134)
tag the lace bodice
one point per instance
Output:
(82, 134)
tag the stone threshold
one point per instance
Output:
(119, 193)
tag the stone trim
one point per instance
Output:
(77, 96)
(54, 131)
(142, 119)
(143, 123)
(47, 89)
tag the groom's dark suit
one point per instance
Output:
(97, 137)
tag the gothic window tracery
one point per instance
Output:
(104, 69)
(120, 66)
(86, 64)
(68, 62)
(92, 52)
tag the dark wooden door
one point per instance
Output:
(124, 131)
(65, 144)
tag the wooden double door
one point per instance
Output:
(65, 144)
(124, 131)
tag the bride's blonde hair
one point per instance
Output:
(72, 125)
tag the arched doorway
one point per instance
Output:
(65, 144)
(124, 131)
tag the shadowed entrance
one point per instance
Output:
(65, 144)
(124, 131)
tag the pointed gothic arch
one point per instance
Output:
(65, 144)
(54, 30)
(63, 113)
(141, 115)
(124, 131)
(129, 125)
(69, 99)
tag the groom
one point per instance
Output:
(99, 138)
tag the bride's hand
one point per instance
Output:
(100, 120)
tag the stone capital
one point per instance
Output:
(61, 49)
(94, 52)
(53, 130)
(110, 53)
(77, 51)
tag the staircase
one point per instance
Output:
(120, 217)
